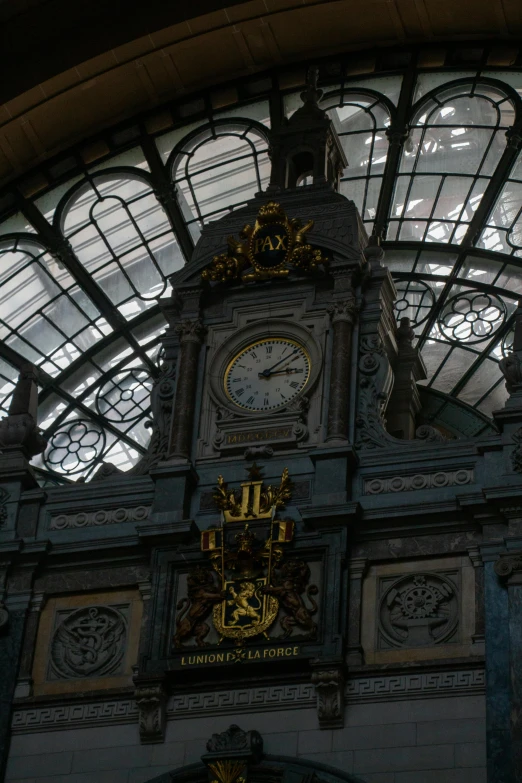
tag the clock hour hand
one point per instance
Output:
(267, 373)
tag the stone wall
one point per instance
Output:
(417, 740)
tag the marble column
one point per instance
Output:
(498, 739)
(478, 567)
(191, 334)
(342, 313)
(354, 652)
(509, 569)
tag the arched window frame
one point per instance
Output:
(186, 149)
(460, 226)
(346, 97)
(90, 181)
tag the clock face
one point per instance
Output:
(267, 374)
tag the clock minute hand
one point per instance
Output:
(267, 373)
(286, 372)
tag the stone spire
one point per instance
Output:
(306, 147)
(19, 430)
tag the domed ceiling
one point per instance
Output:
(89, 239)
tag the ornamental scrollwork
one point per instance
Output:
(162, 397)
(509, 564)
(89, 642)
(270, 248)
(418, 610)
(4, 494)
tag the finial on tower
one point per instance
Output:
(306, 150)
(19, 429)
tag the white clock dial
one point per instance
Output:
(267, 374)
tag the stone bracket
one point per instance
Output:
(151, 701)
(329, 689)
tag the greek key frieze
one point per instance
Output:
(451, 478)
(407, 686)
(100, 517)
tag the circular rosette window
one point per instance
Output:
(88, 642)
(125, 396)
(415, 300)
(472, 316)
(75, 446)
(418, 610)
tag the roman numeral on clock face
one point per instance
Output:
(268, 366)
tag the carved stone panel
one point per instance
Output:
(87, 639)
(88, 642)
(418, 610)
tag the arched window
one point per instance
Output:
(361, 120)
(121, 234)
(503, 232)
(217, 168)
(456, 140)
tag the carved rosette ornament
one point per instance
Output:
(151, 701)
(329, 688)
(270, 248)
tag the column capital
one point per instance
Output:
(509, 567)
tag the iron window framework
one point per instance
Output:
(146, 196)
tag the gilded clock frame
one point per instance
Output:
(271, 338)
(258, 331)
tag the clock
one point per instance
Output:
(268, 374)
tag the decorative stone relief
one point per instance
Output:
(161, 400)
(418, 610)
(516, 454)
(329, 689)
(88, 642)
(3, 506)
(230, 753)
(110, 516)
(374, 389)
(235, 739)
(151, 701)
(451, 478)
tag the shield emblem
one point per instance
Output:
(245, 611)
(270, 245)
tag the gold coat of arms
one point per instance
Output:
(253, 580)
